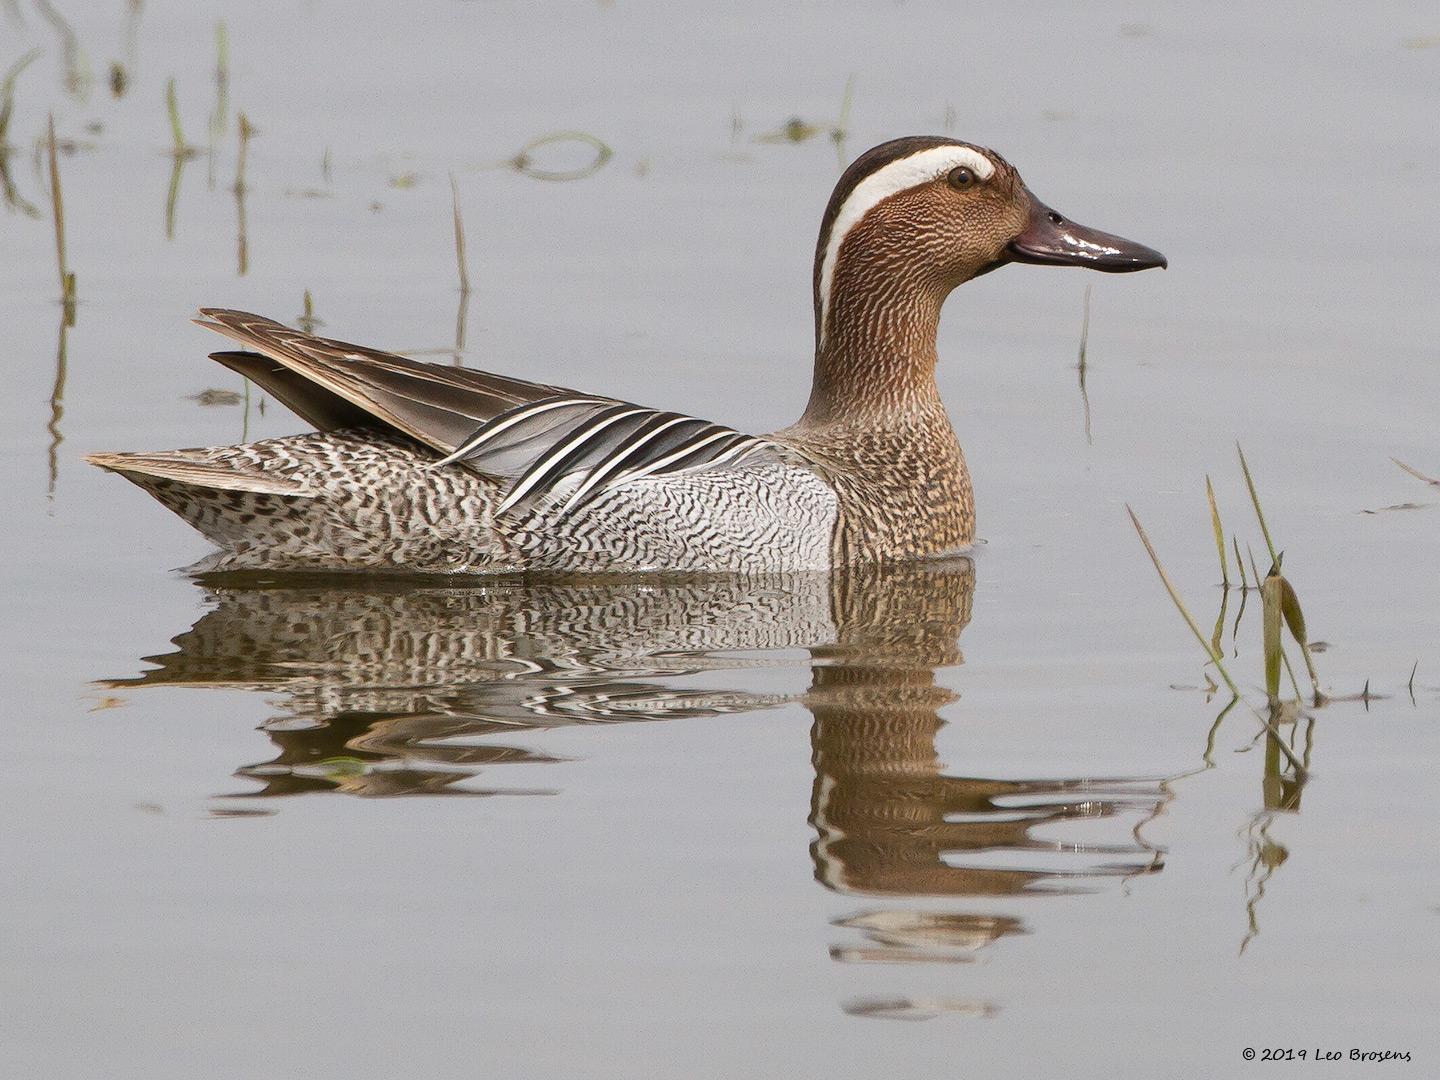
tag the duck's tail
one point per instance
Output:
(190, 468)
(232, 506)
(334, 500)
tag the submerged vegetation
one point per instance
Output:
(67, 313)
(13, 198)
(525, 161)
(799, 130)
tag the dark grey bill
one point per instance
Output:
(1053, 240)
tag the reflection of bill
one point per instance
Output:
(399, 688)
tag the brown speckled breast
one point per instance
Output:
(903, 490)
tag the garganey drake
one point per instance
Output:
(422, 467)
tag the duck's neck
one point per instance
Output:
(876, 426)
(875, 348)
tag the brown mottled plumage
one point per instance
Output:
(422, 467)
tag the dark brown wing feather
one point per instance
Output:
(438, 405)
(307, 400)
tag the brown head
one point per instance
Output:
(912, 218)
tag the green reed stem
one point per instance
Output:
(172, 108)
(1212, 653)
(1215, 525)
(459, 236)
(1255, 499)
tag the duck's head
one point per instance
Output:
(936, 212)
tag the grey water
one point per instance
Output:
(968, 817)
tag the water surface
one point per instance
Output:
(721, 827)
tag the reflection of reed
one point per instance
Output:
(244, 131)
(1281, 789)
(180, 152)
(172, 193)
(57, 397)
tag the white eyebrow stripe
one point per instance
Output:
(919, 168)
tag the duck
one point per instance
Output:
(427, 468)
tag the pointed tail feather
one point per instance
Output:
(178, 466)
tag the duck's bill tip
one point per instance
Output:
(1053, 240)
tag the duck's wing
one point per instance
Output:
(539, 441)
(581, 447)
(336, 384)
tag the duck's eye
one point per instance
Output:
(961, 178)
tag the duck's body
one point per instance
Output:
(361, 499)
(419, 467)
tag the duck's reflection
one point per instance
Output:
(394, 688)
